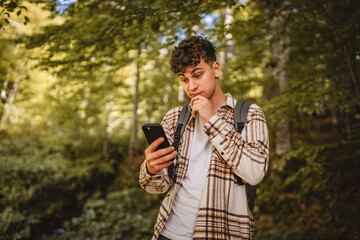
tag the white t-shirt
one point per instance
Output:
(181, 222)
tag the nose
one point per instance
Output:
(192, 84)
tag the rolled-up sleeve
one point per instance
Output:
(160, 183)
(246, 153)
(155, 184)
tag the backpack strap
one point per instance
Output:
(179, 130)
(240, 115)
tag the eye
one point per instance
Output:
(184, 80)
(198, 75)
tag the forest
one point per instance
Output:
(78, 79)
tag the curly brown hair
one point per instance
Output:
(190, 51)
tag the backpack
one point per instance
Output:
(240, 115)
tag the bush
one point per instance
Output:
(311, 193)
(39, 188)
(125, 214)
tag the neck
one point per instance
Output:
(218, 98)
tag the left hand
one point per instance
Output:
(203, 106)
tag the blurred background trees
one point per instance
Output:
(78, 80)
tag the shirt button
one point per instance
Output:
(222, 153)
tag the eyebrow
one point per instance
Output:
(181, 74)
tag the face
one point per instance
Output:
(201, 80)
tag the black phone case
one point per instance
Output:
(154, 131)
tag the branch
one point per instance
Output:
(343, 43)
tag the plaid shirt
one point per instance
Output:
(223, 211)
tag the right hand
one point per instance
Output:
(160, 159)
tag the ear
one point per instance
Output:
(216, 68)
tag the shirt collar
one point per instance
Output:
(230, 101)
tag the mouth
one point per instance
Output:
(195, 94)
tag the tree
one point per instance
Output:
(320, 80)
(114, 36)
(280, 56)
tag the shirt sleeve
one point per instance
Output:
(246, 153)
(160, 183)
(155, 184)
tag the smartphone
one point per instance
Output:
(154, 131)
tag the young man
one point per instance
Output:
(205, 201)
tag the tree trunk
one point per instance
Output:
(106, 114)
(134, 136)
(281, 55)
(105, 133)
(224, 55)
(8, 95)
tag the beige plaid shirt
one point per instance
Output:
(223, 212)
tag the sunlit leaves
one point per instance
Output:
(7, 8)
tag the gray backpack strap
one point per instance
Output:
(179, 130)
(181, 125)
(240, 115)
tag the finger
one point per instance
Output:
(161, 152)
(154, 145)
(157, 165)
(198, 97)
(196, 109)
(163, 159)
(156, 169)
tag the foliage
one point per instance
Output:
(248, 54)
(129, 213)
(323, 68)
(9, 7)
(313, 190)
(67, 85)
(38, 184)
